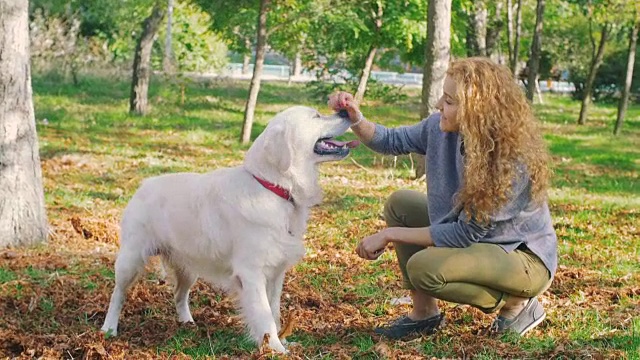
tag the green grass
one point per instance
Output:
(95, 154)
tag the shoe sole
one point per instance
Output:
(533, 324)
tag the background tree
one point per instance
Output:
(477, 29)
(624, 98)
(23, 219)
(372, 33)
(596, 13)
(514, 32)
(167, 60)
(437, 56)
(536, 51)
(254, 88)
(138, 101)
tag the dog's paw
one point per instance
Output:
(108, 332)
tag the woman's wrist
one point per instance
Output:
(360, 118)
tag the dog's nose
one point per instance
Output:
(343, 114)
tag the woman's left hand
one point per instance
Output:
(371, 247)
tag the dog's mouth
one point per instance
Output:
(329, 146)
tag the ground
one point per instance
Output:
(54, 296)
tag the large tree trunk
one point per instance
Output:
(536, 50)
(624, 99)
(254, 88)
(368, 64)
(138, 101)
(593, 71)
(437, 55)
(477, 30)
(167, 60)
(366, 71)
(23, 220)
(513, 61)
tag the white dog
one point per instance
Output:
(239, 228)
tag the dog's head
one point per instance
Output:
(299, 135)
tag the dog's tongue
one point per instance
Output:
(350, 144)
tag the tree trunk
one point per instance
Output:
(437, 55)
(536, 50)
(624, 99)
(246, 59)
(138, 101)
(516, 41)
(509, 31)
(366, 71)
(368, 64)
(297, 65)
(593, 71)
(23, 219)
(254, 88)
(477, 30)
(167, 61)
(493, 32)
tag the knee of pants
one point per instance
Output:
(423, 275)
(396, 198)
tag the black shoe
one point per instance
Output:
(404, 326)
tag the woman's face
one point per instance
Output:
(448, 106)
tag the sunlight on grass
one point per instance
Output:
(94, 155)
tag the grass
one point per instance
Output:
(53, 297)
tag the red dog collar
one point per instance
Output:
(276, 189)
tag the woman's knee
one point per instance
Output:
(424, 274)
(406, 207)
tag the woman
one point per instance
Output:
(483, 234)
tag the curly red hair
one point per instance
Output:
(500, 135)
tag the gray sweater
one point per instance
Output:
(519, 222)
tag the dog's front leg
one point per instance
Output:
(274, 291)
(254, 302)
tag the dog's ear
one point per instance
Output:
(278, 148)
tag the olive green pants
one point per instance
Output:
(482, 275)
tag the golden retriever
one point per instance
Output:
(239, 228)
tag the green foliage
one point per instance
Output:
(195, 46)
(90, 144)
(375, 90)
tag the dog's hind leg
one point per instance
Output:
(252, 293)
(129, 264)
(183, 280)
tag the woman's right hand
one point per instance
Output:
(344, 100)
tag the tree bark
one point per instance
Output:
(493, 32)
(477, 30)
(624, 99)
(167, 61)
(23, 219)
(368, 64)
(297, 65)
(246, 58)
(437, 56)
(536, 50)
(366, 71)
(138, 101)
(254, 88)
(516, 41)
(593, 71)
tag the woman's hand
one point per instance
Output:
(343, 100)
(371, 247)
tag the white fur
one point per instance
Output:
(225, 227)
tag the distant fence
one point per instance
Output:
(281, 72)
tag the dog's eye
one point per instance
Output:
(317, 115)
